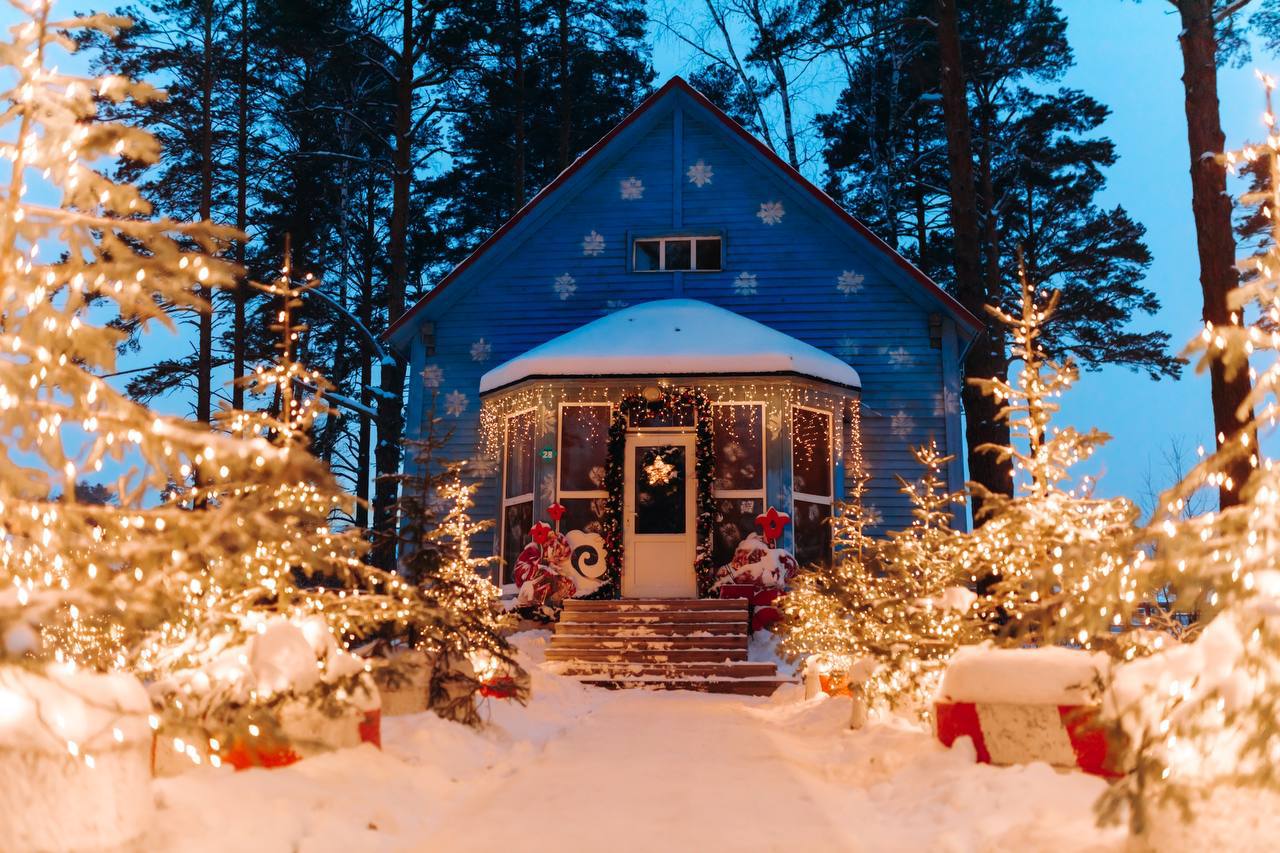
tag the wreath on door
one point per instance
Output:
(669, 404)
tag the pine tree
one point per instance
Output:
(898, 605)
(1201, 717)
(555, 77)
(228, 662)
(818, 613)
(1042, 558)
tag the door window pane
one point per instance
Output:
(584, 447)
(517, 521)
(647, 255)
(660, 486)
(519, 465)
(739, 447)
(811, 452)
(812, 533)
(679, 254)
(735, 520)
(708, 254)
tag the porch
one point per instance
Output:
(664, 430)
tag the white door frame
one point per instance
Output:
(689, 539)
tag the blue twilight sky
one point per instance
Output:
(1127, 57)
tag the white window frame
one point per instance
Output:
(828, 499)
(589, 494)
(732, 494)
(662, 252)
(518, 499)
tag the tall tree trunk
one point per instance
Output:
(239, 334)
(365, 309)
(566, 85)
(204, 351)
(517, 42)
(983, 360)
(391, 398)
(1212, 208)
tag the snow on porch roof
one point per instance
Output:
(671, 337)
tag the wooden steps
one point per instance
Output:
(660, 644)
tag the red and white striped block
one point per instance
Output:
(1005, 733)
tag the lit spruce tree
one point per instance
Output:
(1050, 560)
(302, 572)
(85, 577)
(897, 605)
(929, 613)
(818, 611)
(1203, 717)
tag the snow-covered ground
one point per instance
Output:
(582, 769)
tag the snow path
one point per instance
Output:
(582, 769)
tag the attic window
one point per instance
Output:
(668, 254)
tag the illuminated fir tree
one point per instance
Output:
(897, 605)
(817, 612)
(79, 572)
(929, 613)
(1203, 717)
(468, 648)
(1047, 559)
(268, 628)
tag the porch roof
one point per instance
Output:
(671, 337)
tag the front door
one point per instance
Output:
(660, 518)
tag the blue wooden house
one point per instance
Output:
(675, 334)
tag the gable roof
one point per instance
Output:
(678, 84)
(676, 337)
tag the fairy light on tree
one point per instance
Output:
(1204, 720)
(1052, 562)
(899, 604)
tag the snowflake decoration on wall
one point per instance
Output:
(548, 488)
(455, 403)
(565, 286)
(849, 282)
(745, 284)
(850, 346)
(700, 174)
(481, 350)
(593, 244)
(631, 189)
(771, 212)
(901, 424)
(483, 465)
(899, 357)
(615, 305)
(432, 376)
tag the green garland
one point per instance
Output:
(615, 483)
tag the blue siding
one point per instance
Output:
(509, 298)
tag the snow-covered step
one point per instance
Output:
(621, 669)
(642, 656)
(642, 617)
(763, 686)
(656, 629)
(649, 605)
(562, 641)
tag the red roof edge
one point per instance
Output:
(678, 82)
